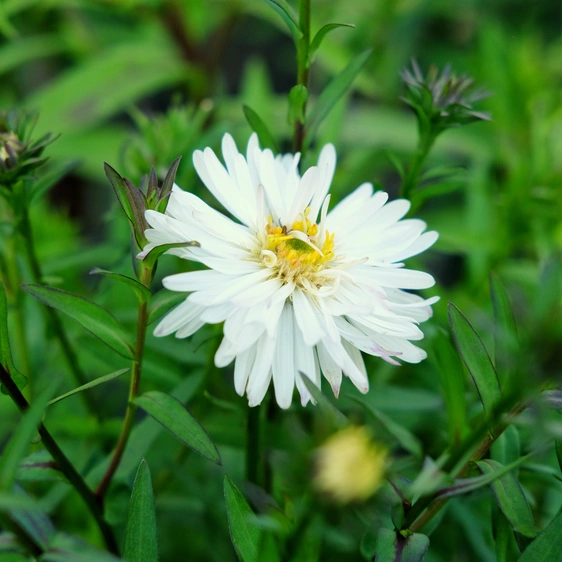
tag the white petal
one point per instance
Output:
(330, 368)
(257, 293)
(195, 280)
(260, 375)
(303, 195)
(284, 361)
(178, 317)
(326, 167)
(225, 354)
(307, 318)
(242, 367)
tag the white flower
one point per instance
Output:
(298, 288)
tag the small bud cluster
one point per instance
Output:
(19, 154)
(442, 100)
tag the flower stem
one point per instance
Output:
(411, 179)
(303, 67)
(254, 460)
(66, 467)
(136, 371)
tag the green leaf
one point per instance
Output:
(452, 378)
(141, 541)
(405, 438)
(143, 294)
(297, 100)
(323, 403)
(39, 467)
(5, 350)
(333, 92)
(168, 411)
(244, 533)
(505, 332)
(558, 446)
(167, 185)
(395, 161)
(466, 485)
(15, 53)
(393, 546)
(476, 358)
(319, 37)
(93, 317)
(162, 302)
(509, 496)
(153, 255)
(64, 548)
(256, 123)
(121, 191)
(547, 547)
(91, 384)
(35, 522)
(21, 439)
(288, 16)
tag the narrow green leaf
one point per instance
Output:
(404, 437)
(121, 191)
(141, 541)
(319, 37)
(466, 485)
(65, 548)
(92, 316)
(5, 350)
(297, 100)
(140, 290)
(505, 332)
(547, 547)
(509, 496)
(51, 176)
(39, 467)
(323, 403)
(256, 123)
(153, 255)
(10, 501)
(558, 446)
(333, 92)
(395, 161)
(162, 302)
(167, 185)
(476, 358)
(452, 378)
(244, 533)
(392, 546)
(21, 439)
(35, 522)
(168, 411)
(288, 16)
(91, 384)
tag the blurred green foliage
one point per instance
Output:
(137, 83)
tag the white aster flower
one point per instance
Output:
(298, 288)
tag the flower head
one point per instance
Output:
(349, 466)
(298, 289)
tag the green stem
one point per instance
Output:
(136, 371)
(411, 179)
(303, 67)
(426, 508)
(66, 467)
(254, 457)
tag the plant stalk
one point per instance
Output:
(411, 179)
(66, 467)
(254, 453)
(303, 67)
(136, 371)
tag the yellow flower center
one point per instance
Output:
(291, 255)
